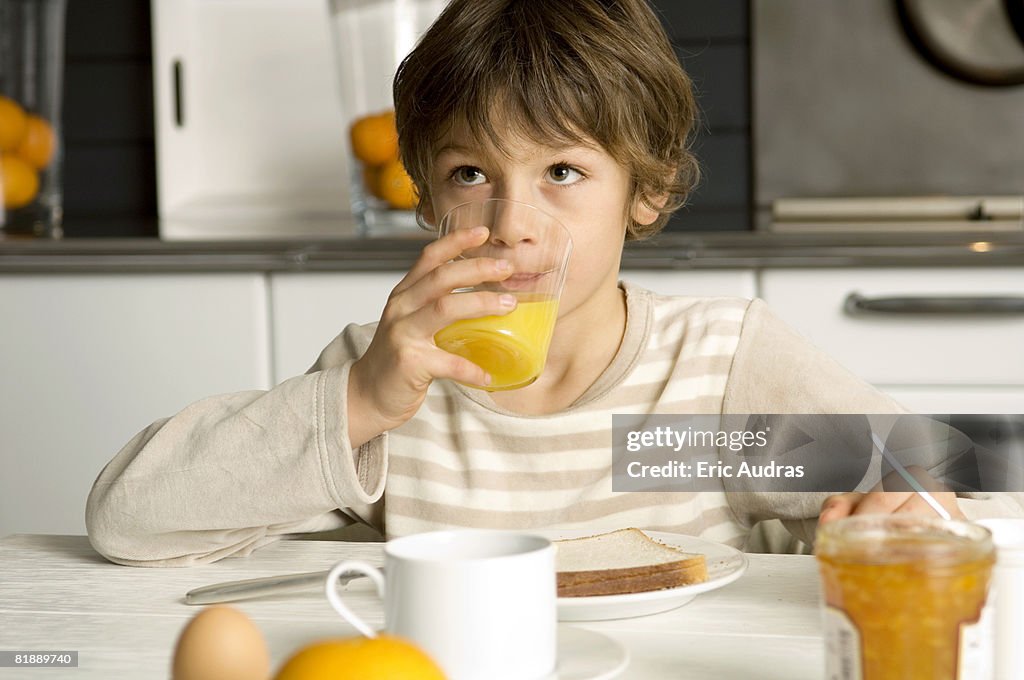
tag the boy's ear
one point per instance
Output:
(645, 208)
(427, 211)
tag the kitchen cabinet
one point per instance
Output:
(89, 360)
(310, 310)
(943, 399)
(942, 363)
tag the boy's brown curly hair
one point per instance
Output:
(558, 72)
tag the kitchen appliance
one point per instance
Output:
(899, 214)
(846, 107)
(979, 41)
(249, 129)
(253, 104)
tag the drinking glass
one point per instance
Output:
(31, 81)
(511, 347)
(371, 38)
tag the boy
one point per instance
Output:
(581, 109)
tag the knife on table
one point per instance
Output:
(231, 591)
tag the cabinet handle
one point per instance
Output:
(857, 304)
(177, 92)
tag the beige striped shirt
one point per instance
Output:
(464, 461)
(234, 472)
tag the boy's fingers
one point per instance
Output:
(917, 505)
(447, 309)
(444, 365)
(837, 507)
(885, 503)
(882, 502)
(436, 253)
(446, 278)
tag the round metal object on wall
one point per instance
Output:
(977, 41)
(1015, 10)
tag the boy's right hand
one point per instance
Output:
(389, 382)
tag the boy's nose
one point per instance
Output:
(508, 234)
(513, 225)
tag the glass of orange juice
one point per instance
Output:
(904, 597)
(511, 347)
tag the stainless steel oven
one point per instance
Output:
(901, 100)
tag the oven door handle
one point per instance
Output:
(857, 304)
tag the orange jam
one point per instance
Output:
(903, 595)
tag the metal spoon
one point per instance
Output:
(909, 478)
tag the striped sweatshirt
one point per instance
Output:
(234, 472)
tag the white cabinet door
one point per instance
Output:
(308, 310)
(886, 348)
(711, 282)
(959, 399)
(90, 360)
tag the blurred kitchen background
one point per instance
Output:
(848, 103)
(110, 161)
(863, 173)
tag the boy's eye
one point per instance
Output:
(564, 174)
(467, 175)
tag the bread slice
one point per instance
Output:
(623, 561)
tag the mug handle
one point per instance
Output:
(349, 566)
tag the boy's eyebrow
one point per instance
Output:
(454, 147)
(469, 150)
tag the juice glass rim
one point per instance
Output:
(442, 223)
(565, 248)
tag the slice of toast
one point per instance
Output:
(623, 561)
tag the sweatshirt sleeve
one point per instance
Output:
(234, 472)
(777, 371)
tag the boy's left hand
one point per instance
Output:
(882, 502)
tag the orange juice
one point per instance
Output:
(511, 347)
(904, 597)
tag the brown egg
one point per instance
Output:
(221, 643)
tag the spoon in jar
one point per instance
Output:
(909, 478)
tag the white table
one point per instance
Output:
(57, 594)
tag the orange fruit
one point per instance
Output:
(38, 143)
(371, 180)
(375, 138)
(381, 658)
(396, 186)
(13, 121)
(18, 182)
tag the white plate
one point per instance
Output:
(588, 655)
(725, 565)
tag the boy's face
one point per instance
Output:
(581, 185)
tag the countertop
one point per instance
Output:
(682, 251)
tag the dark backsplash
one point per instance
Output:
(110, 157)
(712, 39)
(109, 152)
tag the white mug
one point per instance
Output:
(1008, 595)
(482, 604)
